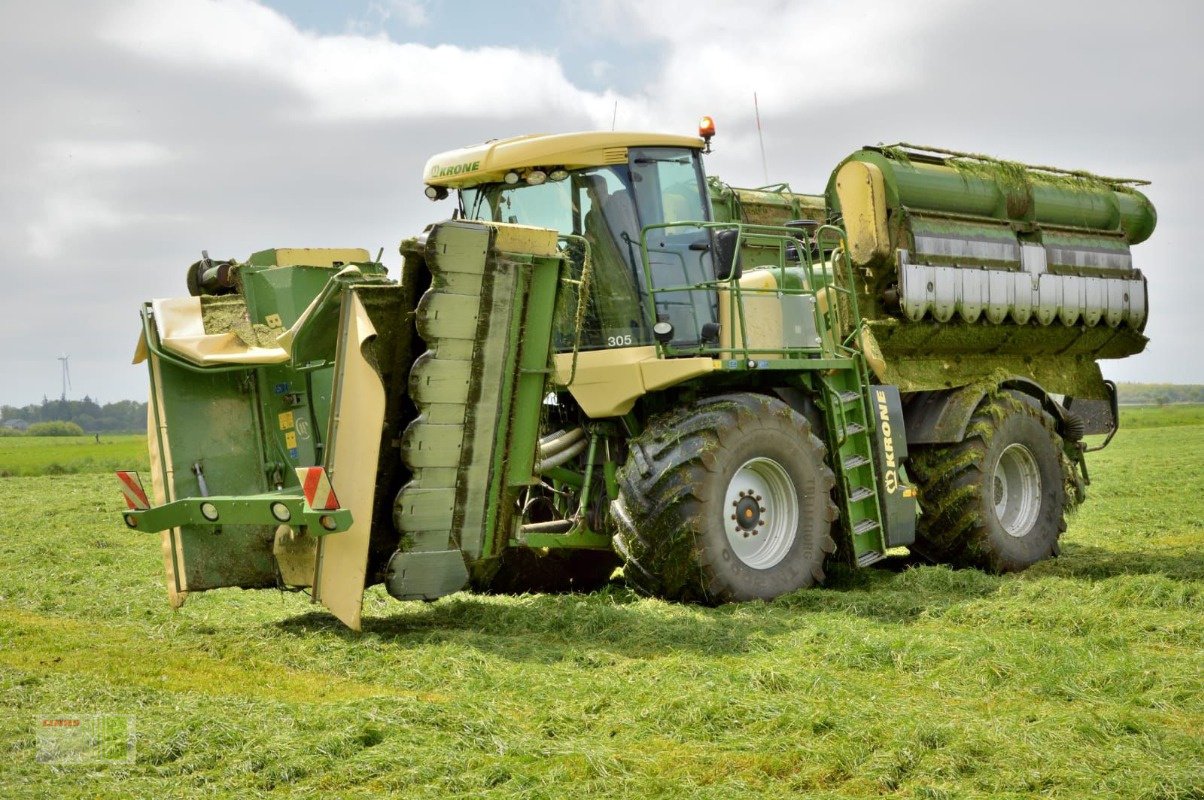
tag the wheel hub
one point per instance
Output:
(748, 512)
(761, 513)
(1016, 490)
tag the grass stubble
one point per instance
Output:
(1081, 677)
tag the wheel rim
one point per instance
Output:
(1016, 490)
(761, 513)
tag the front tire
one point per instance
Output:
(997, 499)
(725, 501)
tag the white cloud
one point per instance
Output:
(349, 77)
(74, 204)
(713, 59)
(150, 130)
(103, 155)
(65, 217)
(795, 55)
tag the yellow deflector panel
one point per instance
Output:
(353, 442)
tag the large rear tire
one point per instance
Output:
(997, 499)
(724, 501)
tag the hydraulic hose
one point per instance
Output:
(546, 462)
(549, 447)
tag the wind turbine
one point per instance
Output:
(64, 359)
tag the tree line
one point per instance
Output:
(1159, 394)
(123, 416)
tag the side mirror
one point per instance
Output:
(726, 256)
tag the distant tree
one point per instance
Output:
(55, 428)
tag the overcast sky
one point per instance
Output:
(140, 133)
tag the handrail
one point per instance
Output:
(583, 287)
(835, 273)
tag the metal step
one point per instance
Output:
(853, 428)
(860, 493)
(871, 557)
(855, 461)
(849, 398)
(865, 526)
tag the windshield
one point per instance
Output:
(607, 207)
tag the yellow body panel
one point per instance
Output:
(296, 556)
(525, 239)
(161, 487)
(358, 412)
(862, 193)
(608, 382)
(181, 330)
(762, 315)
(873, 354)
(489, 162)
(320, 256)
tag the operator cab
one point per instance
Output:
(605, 193)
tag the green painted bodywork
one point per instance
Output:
(921, 356)
(487, 323)
(999, 206)
(1005, 192)
(249, 510)
(230, 420)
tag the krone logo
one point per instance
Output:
(438, 171)
(890, 479)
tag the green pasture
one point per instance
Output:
(1081, 678)
(68, 455)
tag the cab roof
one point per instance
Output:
(489, 162)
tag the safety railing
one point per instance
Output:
(807, 260)
(581, 285)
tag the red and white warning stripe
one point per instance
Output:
(316, 486)
(131, 489)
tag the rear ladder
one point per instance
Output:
(849, 420)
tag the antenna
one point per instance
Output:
(615, 116)
(64, 360)
(761, 138)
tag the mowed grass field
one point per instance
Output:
(67, 455)
(1081, 678)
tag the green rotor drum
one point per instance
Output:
(1005, 191)
(975, 265)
